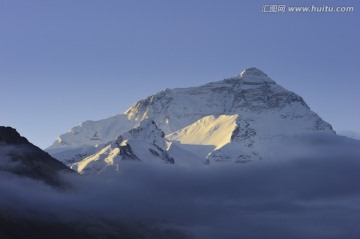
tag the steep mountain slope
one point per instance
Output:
(229, 120)
(251, 93)
(144, 143)
(18, 156)
(209, 130)
(94, 132)
(80, 141)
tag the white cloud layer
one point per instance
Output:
(310, 189)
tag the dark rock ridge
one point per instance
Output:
(18, 156)
(11, 136)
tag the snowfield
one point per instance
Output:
(232, 120)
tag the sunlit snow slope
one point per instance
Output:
(232, 120)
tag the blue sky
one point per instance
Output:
(64, 62)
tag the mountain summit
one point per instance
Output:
(231, 120)
(252, 71)
(254, 74)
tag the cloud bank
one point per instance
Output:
(310, 189)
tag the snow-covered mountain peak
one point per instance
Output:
(227, 119)
(254, 75)
(145, 142)
(252, 71)
(145, 130)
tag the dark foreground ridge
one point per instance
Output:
(11, 136)
(18, 156)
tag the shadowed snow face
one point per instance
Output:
(310, 190)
